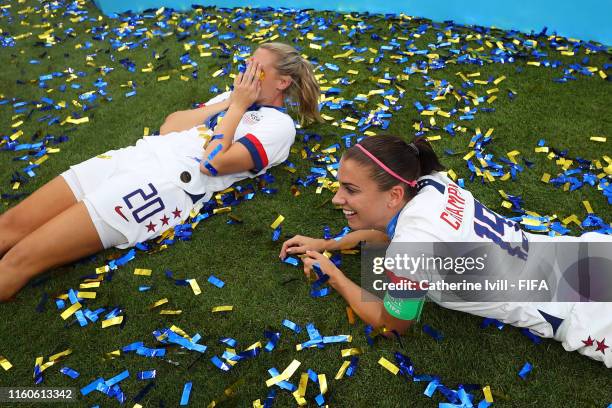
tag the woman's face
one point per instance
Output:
(363, 204)
(272, 83)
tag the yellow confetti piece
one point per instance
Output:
(16, 185)
(159, 303)
(77, 121)
(285, 375)
(89, 285)
(432, 138)
(531, 222)
(355, 351)
(393, 369)
(70, 311)
(170, 312)
(322, 383)
(61, 354)
(222, 309)
(163, 78)
(222, 210)
(498, 80)
(545, 178)
(303, 384)
(142, 272)
(469, 155)
(17, 124)
(342, 370)
(588, 207)
(195, 287)
(602, 74)
(86, 295)
(487, 394)
(277, 222)
(112, 321)
(16, 135)
(350, 315)
(4, 363)
(598, 139)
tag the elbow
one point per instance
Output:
(169, 123)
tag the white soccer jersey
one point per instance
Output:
(143, 190)
(267, 133)
(442, 212)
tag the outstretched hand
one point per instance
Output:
(300, 244)
(326, 266)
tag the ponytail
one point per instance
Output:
(428, 159)
(304, 88)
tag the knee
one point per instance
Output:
(9, 222)
(16, 259)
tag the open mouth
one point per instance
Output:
(348, 213)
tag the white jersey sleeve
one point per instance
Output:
(218, 98)
(268, 136)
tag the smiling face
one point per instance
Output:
(272, 83)
(363, 204)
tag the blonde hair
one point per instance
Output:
(304, 88)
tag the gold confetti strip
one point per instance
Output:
(588, 207)
(159, 303)
(277, 222)
(112, 321)
(163, 78)
(77, 121)
(487, 394)
(350, 315)
(170, 312)
(142, 272)
(545, 178)
(90, 285)
(222, 309)
(70, 311)
(285, 375)
(195, 287)
(598, 139)
(86, 295)
(61, 354)
(355, 351)
(4, 363)
(393, 369)
(342, 370)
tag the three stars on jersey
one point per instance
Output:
(165, 220)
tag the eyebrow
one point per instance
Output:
(348, 184)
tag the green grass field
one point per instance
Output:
(243, 255)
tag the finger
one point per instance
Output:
(296, 250)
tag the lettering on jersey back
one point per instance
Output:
(455, 205)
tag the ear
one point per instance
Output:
(284, 82)
(396, 197)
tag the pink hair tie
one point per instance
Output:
(411, 183)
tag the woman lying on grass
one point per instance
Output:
(394, 192)
(136, 193)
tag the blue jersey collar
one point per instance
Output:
(392, 224)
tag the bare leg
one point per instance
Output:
(69, 236)
(41, 206)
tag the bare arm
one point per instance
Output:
(367, 306)
(300, 244)
(183, 120)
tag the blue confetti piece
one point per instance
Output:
(146, 375)
(69, 372)
(219, 364)
(212, 279)
(436, 335)
(291, 261)
(525, 371)
(292, 326)
(186, 393)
